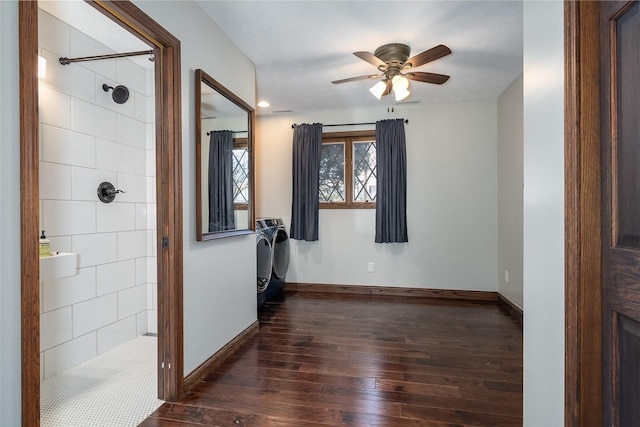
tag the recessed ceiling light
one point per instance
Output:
(263, 104)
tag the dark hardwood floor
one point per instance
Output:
(340, 360)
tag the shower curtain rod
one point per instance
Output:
(349, 124)
(233, 131)
(67, 61)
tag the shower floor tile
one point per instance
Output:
(117, 388)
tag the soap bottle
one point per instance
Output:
(45, 249)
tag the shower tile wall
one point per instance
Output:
(86, 138)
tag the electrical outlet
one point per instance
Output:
(370, 267)
(506, 276)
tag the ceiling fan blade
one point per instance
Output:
(418, 76)
(352, 79)
(427, 56)
(370, 58)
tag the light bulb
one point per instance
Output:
(400, 87)
(378, 89)
(401, 93)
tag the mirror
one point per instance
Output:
(224, 161)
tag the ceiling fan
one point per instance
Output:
(393, 61)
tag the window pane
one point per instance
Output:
(332, 173)
(240, 176)
(364, 171)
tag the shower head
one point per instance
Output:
(120, 93)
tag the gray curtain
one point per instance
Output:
(391, 199)
(221, 215)
(307, 147)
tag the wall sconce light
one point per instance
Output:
(42, 67)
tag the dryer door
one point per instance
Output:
(264, 261)
(280, 244)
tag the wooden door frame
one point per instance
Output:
(168, 198)
(583, 251)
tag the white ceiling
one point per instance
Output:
(299, 47)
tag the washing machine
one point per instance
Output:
(271, 233)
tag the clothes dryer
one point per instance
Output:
(276, 232)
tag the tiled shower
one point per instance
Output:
(86, 138)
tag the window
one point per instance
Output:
(240, 173)
(348, 170)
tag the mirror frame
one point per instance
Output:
(203, 78)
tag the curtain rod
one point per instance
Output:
(350, 124)
(67, 61)
(233, 131)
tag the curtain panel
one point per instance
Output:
(305, 206)
(221, 209)
(391, 199)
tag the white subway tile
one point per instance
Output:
(141, 324)
(154, 297)
(131, 75)
(94, 314)
(117, 333)
(55, 327)
(151, 162)
(134, 187)
(83, 45)
(151, 136)
(141, 271)
(152, 321)
(54, 108)
(150, 287)
(94, 249)
(53, 34)
(131, 132)
(132, 301)
(152, 269)
(116, 276)
(152, 239)
(71, 148)
(42, 365)
(120, 157)
(69, 354)
(73, 80)
(70, 290)
(151, 189)
(132, 244)
(92, 119)
(55, 181)
(116, 217)
(85, 182)
(140, 107)
(150, 109)
(151, 82)
(68, 217)
(141, 216)
(151, 216)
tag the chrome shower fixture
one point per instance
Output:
(120, 93)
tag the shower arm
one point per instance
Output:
(67, 61)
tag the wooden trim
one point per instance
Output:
(220, 356)
(510, 308)
(169, 197)
(29, 212)
(583, 271)
(451, 294)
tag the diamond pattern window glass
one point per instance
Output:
(348, 177)
(240, 176)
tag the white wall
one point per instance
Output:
(451, 207)
(543, 214)
(219, 275)
(9, 217)
(85, 139)
(510, 192)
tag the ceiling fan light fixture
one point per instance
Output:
(378, 89)
(401, 93)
